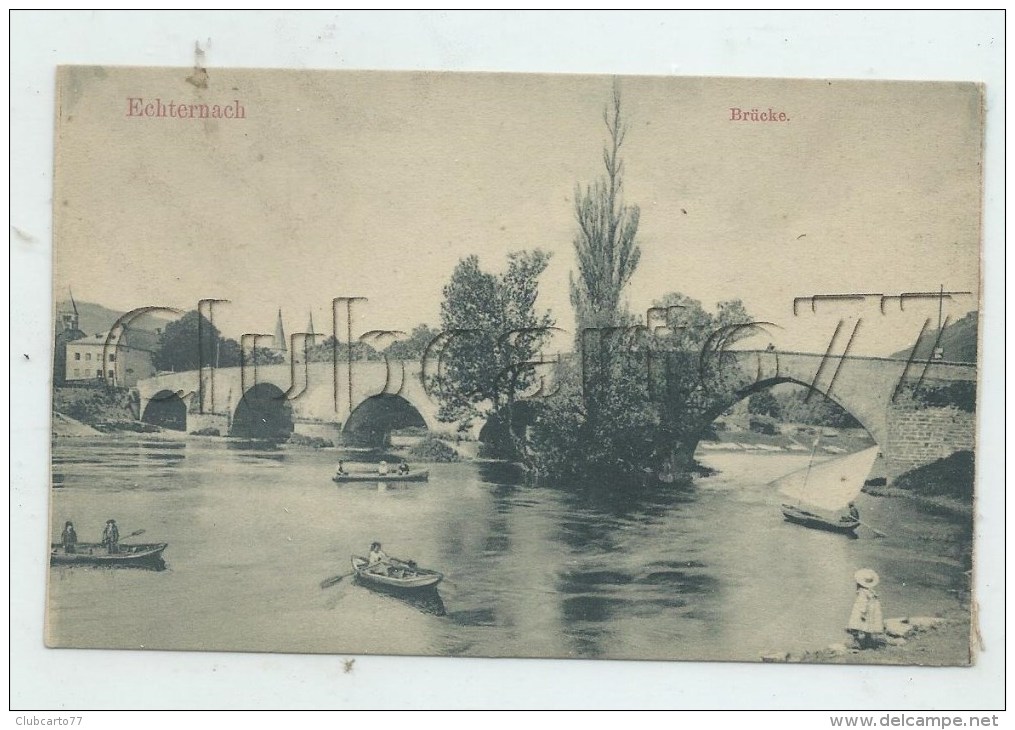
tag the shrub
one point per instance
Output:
(951, 476)
(764, 424)
(124, 425)
(958, 394)
(313, 442)
(206, 431)
(433, 449)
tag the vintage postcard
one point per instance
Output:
(515, 365)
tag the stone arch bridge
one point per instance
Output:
(322, 399)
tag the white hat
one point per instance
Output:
(866, 577)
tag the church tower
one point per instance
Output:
(280, 345)
(67, 330)
(311, 334)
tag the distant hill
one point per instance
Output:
(95, 318)
(958, 340)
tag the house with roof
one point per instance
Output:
(118, 358)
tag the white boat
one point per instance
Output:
(821, 495)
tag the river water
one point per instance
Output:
(710, 571)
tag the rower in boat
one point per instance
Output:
(378, 560)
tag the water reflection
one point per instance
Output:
(252, 445)
(425, 600)
(258, 451)
(671, 571)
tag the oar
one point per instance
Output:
(876, 532)
(133, 534)
(335, 579)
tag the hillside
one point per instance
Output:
(95, 318)
(958, 340)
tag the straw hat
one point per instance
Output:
(866, 577)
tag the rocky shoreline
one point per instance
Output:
(916, 640)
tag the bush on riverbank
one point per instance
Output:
(312, 442)
(130, 426)
(948, 477)
(94, 405)
(434, 450)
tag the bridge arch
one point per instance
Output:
(263, 412)
(166, 409)
(870, 421)
(373, 420)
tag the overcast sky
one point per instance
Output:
(376, 184)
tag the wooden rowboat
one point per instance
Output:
(93, 553)
(402, 575)
(418, 475)
(845, 522)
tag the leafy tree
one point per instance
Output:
(763, 403)
(193, 341)
(667, 378)
(600, 424)
(262, 356)
(816, 410)
(490, 329)
(228, 353)
(692, 378)
(605, 246)
(638, 394)
(325, 351)
(412, 347)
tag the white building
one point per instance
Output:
(119, 360)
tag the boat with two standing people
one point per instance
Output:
(146, 555)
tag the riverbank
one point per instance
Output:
(830, 441)
(67, 427)
(934, 642)
(935, 503)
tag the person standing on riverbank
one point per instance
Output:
(866, 620)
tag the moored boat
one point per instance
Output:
(128, 556)
(416, 475)
(822, 496)
(401, 575)
(835, 522)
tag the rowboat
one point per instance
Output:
(402, 575)
(811, 517)
(93, 553)
(417, 475)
